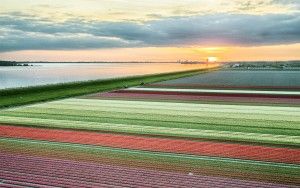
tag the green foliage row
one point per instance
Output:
(153, 120)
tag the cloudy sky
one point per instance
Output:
(149, 30)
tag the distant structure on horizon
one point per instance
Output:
(189, 62)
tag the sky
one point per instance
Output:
(149, 30)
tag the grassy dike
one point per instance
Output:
(28, 95)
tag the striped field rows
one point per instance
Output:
(65, 173)
(101, 141)
(180, 146)
(244, 123)
(169, 161)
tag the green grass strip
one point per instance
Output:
(28, 95)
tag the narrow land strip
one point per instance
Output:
(28, 95)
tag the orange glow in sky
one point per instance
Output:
(277, 52)
(212, 59)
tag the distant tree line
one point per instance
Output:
(265, 64)
(13, 63)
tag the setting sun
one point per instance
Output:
(212, 59)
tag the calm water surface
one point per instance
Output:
(50, 73)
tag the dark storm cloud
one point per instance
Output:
(21, 33)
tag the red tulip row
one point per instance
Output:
(220, 94)
(198, 97)
(261, 153)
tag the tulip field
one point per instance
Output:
(154, 136)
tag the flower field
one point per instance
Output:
(154, 137)
(281, 96)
